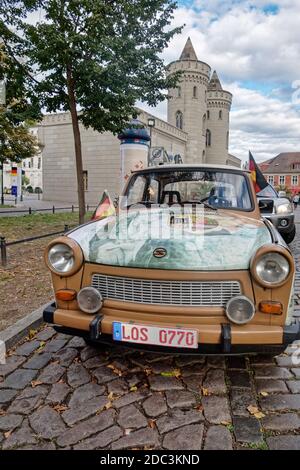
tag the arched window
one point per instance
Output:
(208, 138)
(195, 92)
(179, 120)
(208, 115)
(179, 92)
(220, 115)
(204, 124)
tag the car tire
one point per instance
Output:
(289, 237)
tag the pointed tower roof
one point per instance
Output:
(215, 84)
(188, 52)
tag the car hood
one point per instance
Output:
(207, 240)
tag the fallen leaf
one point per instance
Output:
(115, 370)
(264, 394)
(7, 434)
(259, 415)
(199, 408)
(172, 373)
(133, 388)
(32, 333)
(60, 408)
(2, 412)
(35, 383)
(108, 405)
(127, 432)
(205, 392)
(110, 396)
(226, 423)
(148, 372)
(152, 423)
(253, 410)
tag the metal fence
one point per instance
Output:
(52, 209)
(4, 244)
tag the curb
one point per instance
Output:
(14, 333)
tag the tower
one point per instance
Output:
(187, 103)
(217, 121)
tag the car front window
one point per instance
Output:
(219, 189)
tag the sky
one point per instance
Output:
(255, 48)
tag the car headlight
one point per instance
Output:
(61, 258)
(271, 269)
(284, 209)
(240, 310)
(89, 300)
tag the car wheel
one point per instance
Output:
(289, 237)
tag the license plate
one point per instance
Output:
(156, 335)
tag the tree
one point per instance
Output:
(94, 58)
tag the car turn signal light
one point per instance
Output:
(66, 294)
(274, 308)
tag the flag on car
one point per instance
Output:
(105, 207)
(258, 178)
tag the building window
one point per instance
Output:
(179, 92)
(32, 165)
(208, 138)
(271, 180)
(39, 163)
(281, 180)
(227, 140)
(204, 124)
(220, 115)
(295, 180)
(179, 120)
(208, 115)
(296, 166)
(85, 180)
(24, 164)
(195, 92)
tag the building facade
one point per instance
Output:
(283, 171)
(197, 129)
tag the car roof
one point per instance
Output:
(183, 166)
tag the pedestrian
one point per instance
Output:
(296, 200)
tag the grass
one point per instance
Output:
(5, 206)
(257, 446)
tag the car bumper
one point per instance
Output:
(284, 224)
(227, 344)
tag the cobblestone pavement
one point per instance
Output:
(56, 392)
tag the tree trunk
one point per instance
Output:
(77, 142)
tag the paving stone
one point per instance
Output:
(27, 348)
(7, 395)
(155, 405)
(236, 362)
(84, 410)
(160, 383)
(284, 443)
(89, 352)
(118, 387)
(20, 437)
(239, 378)
(104, 375)
(177, 418)
(163, 366)
(47, 423)
(40, 446)
(45, 334)
(218, 438)
(240, 400)
(215, 382)
(29, 392)
(180, 399)
(38, 361)
(136, 439)
(25, 405)
(103, 439)
(216, 361)
(183, 361)
(196, 369)
(19, 379)
(247, 429)
(134, 379)
(130, 417)
(262, 359)
(58, 393)
(282, 422)
(296, 373)
(87, 428)
(55, 345)
(84, 393)
(66, 356)
(9, 422)
(77, 375)
(285, 361)
(51, 374)
(185, 438)
(95, 362)
(294, 386)
(216, 409)
(272, 372)
(130, 398)
(76, 342)
(12, 363)
(271, 386)
(281, 402)
(194, 383)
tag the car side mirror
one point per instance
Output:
(262, 205)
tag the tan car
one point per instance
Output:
(186, 265)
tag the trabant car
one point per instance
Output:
(185, 265)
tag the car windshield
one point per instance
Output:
(216, 188)
(268, 191)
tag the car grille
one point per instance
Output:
(155, 292)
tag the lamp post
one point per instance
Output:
(151, 125)
(2, 179)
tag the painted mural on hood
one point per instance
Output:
(205, 240)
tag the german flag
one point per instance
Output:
(105, 207)
(258, 178)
